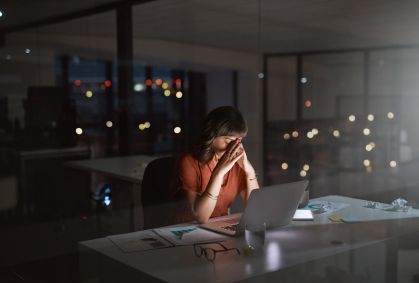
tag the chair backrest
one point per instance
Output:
(157, 191)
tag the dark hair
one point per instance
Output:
(222, 121)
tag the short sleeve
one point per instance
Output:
(189, 174)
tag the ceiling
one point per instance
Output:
(286, 25)
(21, 12)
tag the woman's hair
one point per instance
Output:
(222, 121)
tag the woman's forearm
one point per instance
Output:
(251, 182)
(205, 204)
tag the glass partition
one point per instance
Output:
(92, 92)
(353, 136)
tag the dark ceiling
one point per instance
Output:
(285, 25)
(20, 14)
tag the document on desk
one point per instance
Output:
(139, 241)
(303, 215)
(188, 235)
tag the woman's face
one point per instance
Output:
(220, 143)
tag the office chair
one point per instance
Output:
(157, 186)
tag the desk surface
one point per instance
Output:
(127, 168)
(295, 244)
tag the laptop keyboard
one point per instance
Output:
(232, 221)
(231, 227)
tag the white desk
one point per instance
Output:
(129, 169)
(289, 252)
(126, 168)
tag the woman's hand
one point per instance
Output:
(233, 153)
(244, 163)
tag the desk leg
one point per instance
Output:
(132, 208)
(392, 247)
(136, 209)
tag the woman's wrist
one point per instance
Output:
(251, 174)
(217, 173)
(210, 195)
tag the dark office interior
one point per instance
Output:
(91, 92)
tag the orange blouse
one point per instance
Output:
(194, 176)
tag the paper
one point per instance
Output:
(335, 218)
(303, 214)
(345, 219)
(139, 241)
(188, 235)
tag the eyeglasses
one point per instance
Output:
(211, 253)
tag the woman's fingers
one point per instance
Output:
(235, 148)
(240, 155)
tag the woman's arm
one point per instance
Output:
(203, 205)
(252, 184)
(251, 177)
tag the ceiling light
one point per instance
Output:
(336, 133)
(139, 87)
(79, 131)
(310, 135)
(179, 94)
(390, 115)
(393, 163)
(177, 130)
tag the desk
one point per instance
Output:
(128, 169)
(291, 253)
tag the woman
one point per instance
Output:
(218, 169)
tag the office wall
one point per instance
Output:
(219, 88)
(282, 89)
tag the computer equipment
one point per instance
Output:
(273, 205)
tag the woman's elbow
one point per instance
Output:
(201, 219)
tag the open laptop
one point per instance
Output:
(275, 205)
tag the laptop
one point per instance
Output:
(275, 205)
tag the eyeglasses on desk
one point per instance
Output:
(210, 253)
